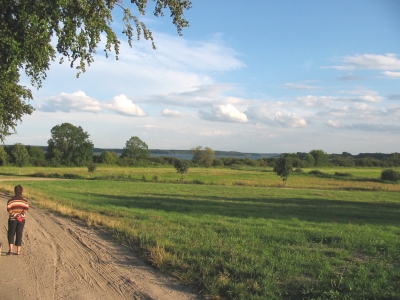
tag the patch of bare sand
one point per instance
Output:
(64, 259)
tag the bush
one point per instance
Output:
(55, 175)
(218, 162)
(390, 175)
(343, 174)
(197, 181)
(92, 167)
(38, 175)
(39, 162)
(72, 176)
(316, 172)
(299, 170)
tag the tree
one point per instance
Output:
(37, 156)
(13, 99)
(3, 156)
(20, 155)
(136, 149)
(108, 157)
(197, 154)
(283, 168)
(208, 157)
(69, 145)
(321, 158)
(181, 166)
(310, 160)
(33, 32)
(204, 157)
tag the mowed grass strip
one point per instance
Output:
(239, 242)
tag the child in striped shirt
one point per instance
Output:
(17, 206)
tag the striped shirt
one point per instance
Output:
(17, 205)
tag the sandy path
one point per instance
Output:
(64, 259)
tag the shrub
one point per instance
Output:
(316, 172)
(299, 170)
(92, 167)
(197, 181)
(55, 175)
(182, 166)
(218, 162)
(72, 176)
(390, 175)
(343, 174)
(38, 175)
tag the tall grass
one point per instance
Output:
(247, 241)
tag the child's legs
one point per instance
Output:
(12, 227)
(19, 230)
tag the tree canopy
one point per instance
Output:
(321, 158)
(135, 148)
(20, 155)
(109, 157)
(33, 32)
(204, 157)
(182, 166)
(69, 145)
(283, 167)
(3, 156)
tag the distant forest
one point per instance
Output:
(159, 152)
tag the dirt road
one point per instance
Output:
(64, 259)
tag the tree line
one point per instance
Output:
(70, 145)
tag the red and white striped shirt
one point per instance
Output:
(17, 205)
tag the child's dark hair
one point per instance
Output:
(18, 189)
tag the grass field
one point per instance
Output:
(361, 179)
(240, 235)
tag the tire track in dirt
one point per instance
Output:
(64, 259)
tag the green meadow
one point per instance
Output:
(237, 233)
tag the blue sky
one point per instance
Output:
(248, 76)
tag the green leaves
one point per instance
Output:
(69, 145)
(182, 166)
(283, 168)
(13, 104)
(20, 154)
(135, 148)
(29, 28)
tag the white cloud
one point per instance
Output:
(200, 55)
(289, 119)
(176, 66)
(361, 96)
(171, 113)
(298, 86)
(122, 105)
(370, 62)
(74, 102)
(333, 123)
(224, 113)
(215, 133)
(274, 115)
(198, 96)
(392, 74)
